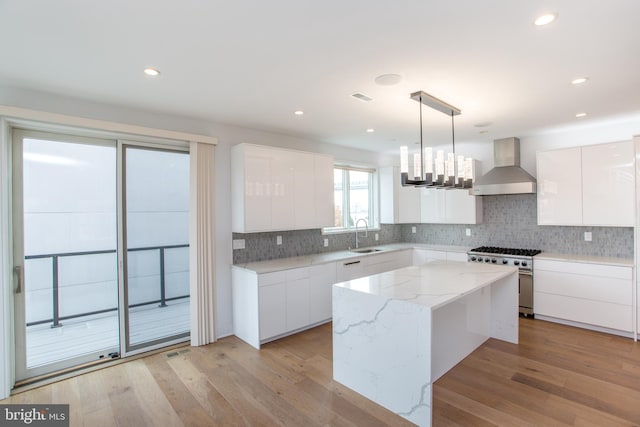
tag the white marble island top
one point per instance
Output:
(431, 285)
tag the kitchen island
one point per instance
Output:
(396, 333)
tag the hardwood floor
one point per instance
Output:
(557, 375)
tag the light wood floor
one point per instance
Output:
(557, 375)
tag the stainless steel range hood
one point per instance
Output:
(507, 177)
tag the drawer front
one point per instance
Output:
(599, 270)
(597, 313)
(593, 288)
(266, 279)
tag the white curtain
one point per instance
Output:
(202, 243)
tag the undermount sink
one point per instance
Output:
(365, 250)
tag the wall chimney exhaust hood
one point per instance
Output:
(507, 177)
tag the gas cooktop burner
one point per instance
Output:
(506, 251)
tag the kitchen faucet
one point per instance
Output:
(366, 229)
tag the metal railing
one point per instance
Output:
(56, 318)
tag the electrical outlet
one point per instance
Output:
(278, 240)
(587, 236)
(326, 243)
(468, 231)
(413, 230)
(238, 244)
(377, 237)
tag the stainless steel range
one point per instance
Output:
(520, 258)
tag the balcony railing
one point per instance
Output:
(56, 318)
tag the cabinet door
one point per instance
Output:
(322, 278)
(324, 204)
(457, 256)
(282, 179)
(608, 184)
(272, 307)
(297, 297)
(349, 269)
(257, 189)
(432, 205)
(462, 208)
(559, 187)
(304, 191)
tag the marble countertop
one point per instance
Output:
(281, 264)
(623, 262)
(432, 285)
(270, 266)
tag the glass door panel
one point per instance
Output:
(156, 188)
(65, 237)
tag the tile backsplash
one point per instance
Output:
(263, 246)
(509, 221)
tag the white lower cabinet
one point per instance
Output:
(268, 306)
(271, 305)
(380, 263)
(349, 269)
(321, 279)
(423, 256)
(592, 294)
(272, 310)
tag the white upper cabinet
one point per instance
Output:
(398, 204)
(276, 189)
(460, 207)
(450, 207)
(432, 205)
(324, 203)
(559, 187)
(608, 185)
(591, 185)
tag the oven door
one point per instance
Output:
(525, 292)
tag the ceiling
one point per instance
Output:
(252, 63)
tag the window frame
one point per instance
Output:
(374, 218)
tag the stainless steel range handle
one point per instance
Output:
(525, 272)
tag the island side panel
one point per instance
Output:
(381, 349)
(458, 328)
(504, 309)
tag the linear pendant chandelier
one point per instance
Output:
(450, 173)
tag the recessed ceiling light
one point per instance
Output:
(371, 130)
(388, 79)
(579, 80)
(151, 72)
(545, 19)
(581, 115)
(298, 112)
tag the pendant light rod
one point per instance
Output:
(435, 103)
(421, 148)
(453, 135)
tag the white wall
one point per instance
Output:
(227, 137)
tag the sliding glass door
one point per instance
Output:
(156, 184)
(65, 235)
(100, 249)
